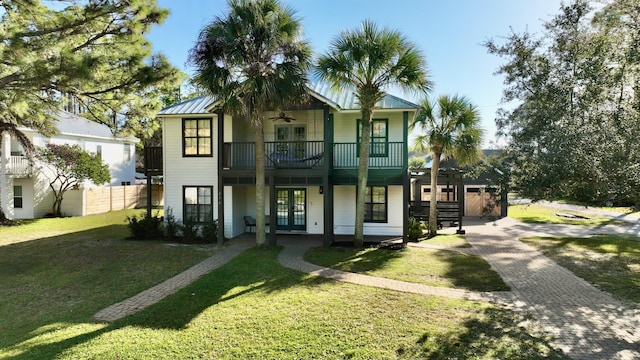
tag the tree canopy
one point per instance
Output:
(69, 166)
(573, 104)
(89, 56)
(254, 59)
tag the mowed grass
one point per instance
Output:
(447, 240)
(423, 266)
(253, 308)
(62, 271)
(610, 262)
(539, 214)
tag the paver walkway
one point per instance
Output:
(585, 322)
(151, 296)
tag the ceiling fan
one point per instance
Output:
(282, 116)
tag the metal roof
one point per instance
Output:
(346, 99)
(72, 124)
(340, 100)
(197, 105)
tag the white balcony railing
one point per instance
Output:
(18, 166)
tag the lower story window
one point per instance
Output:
(198, 203)
(17, 197)
(375, 207)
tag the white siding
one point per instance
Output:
(182, 171)
(344, 212)
(26, 212)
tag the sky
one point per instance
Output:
(449, 32)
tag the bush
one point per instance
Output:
(190, 231)
(171, 226)
(145, 227)
(415, 229)
(210, 231)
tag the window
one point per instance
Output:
(196, 140)
(127, 152)
(99, 151)
(379, 137)
(198, 203)
(17, 197)
(375, 204)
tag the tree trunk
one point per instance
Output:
(363, 174)
(433, 201)
(261, 235)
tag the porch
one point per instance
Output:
(311, 155)
(19, 166)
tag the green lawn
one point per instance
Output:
(448, 240)
(250, 308)
(67, 276)
(535, 213)
(424, 266)
(610, 262)
(253, 308)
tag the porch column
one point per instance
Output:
(327, 185)
(406, 181)
(5, 153)
(220, 137)
(272, 210)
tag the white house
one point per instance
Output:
(24, 186)
(311, 165)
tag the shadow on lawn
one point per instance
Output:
(495, 336)
(253, 271)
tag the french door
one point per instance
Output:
(292, 209)
(291, 140)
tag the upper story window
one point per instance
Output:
(379, 137)
(196, 137)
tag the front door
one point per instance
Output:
(292, 209)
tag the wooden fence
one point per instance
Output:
(112, 198)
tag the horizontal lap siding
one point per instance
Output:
(345, 210)
(182, 171)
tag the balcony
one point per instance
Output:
(19, 166)
(310, 155)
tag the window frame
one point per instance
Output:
(16, 197)
(197, 205)
(197, 137)
(368, 202)
(385, 152)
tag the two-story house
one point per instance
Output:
(24, 184)
(311, 165)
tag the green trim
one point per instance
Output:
(385, 152)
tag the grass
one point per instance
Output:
(610, 262)
(448, 240)
(61, 271)
(423, 266)
(253, 308)
(539, 214)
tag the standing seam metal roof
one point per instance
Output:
(341, 100)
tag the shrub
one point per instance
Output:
(145, 227)
(210, 231)
(415, 229)
(190, 231)
(171, 225)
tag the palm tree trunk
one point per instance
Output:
(261, 235)
(433, 201)
(363, 174)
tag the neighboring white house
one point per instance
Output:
(24, 186)
(311, 165)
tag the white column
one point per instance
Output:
(5, 182)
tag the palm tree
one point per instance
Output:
(450, 128)
(7, 127)
(369, 60)
(254, 60)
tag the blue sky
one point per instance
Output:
(449, 32)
